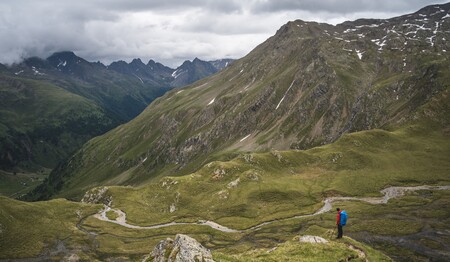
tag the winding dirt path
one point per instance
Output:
(388, 193)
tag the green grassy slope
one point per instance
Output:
(271, 186)
(292, 182)
(41, 124)
(32, 229)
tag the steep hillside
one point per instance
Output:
(50, 107)
(306, 86)
(41, 124)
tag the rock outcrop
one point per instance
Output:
(98, 195)
(312, 239)
(182, 249)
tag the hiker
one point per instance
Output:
(338, 223)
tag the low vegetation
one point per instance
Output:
(258, 187)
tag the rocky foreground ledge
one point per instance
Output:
(182, 249)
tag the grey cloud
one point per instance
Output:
(341, 6)
(168, 31)
(167, 5)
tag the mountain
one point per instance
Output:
(189, 72)
(50, 107)
(121, 95)
(221, 63)
(152, 72)
(185, 74)
(304, 87)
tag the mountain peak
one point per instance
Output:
(65, 60)
(433, 9)
(137, 61)
(63, 54)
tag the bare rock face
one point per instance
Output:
(182, 249)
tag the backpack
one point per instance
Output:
(343, 218)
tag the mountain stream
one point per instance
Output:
(388, 193)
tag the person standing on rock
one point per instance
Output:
(338, 223)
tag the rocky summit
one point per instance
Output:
(305, 86)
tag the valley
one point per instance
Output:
(284, 187)
(51, 107)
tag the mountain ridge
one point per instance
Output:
(305, 86)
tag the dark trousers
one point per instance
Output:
(340, 232)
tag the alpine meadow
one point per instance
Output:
(235, 160)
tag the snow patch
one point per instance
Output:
(62, 63)
(285, 94)
(139, 78)
(179, 92)
(379, 43)
(373, 25)
(18, 73)
(212, 101)
(177, 73)
(36, 72)
(145, 159)
(446, 16)
(436, 29)
(430, 39)
(349, 30)
(359, 54)
(247, 136)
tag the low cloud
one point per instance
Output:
(168, 31)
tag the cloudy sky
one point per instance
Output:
(168, 31)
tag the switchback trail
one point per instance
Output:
(388, 193)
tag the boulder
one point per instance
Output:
(182, 249)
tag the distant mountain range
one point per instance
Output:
(187, 73)
(50, 107)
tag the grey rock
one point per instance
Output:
(182, 249)
(312, 239)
